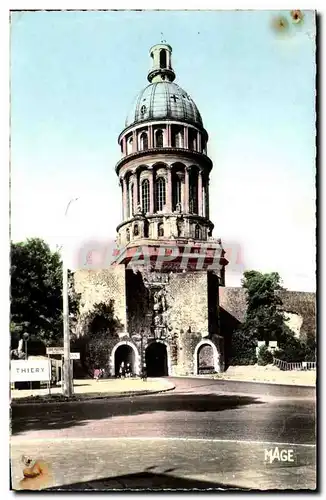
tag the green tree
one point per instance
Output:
(101, 326)
(264, 316)
(36, 293)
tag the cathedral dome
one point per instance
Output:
(164, 100)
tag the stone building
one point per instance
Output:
(166, 297)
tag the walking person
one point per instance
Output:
(97, 373)
(122, 370)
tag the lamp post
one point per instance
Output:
(67, 381)
(140, 337)
(26, 338)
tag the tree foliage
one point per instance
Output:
(100, 327)
(265, 357)
(264, 321)
(264, 316)
(243, 348)
(36, 293)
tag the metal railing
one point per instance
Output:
(302, 365)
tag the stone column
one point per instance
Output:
(134, 141)
(150, 137)
(124, 145)
(124, 199)
(169, 191)
(186, 192)
(207, 198)
(169, 135)
(199, 147)
(200, 193)
(151, 190)
(135, 181)
(185, 137)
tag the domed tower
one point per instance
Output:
(164, 170)
(164, 281)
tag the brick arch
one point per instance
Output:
(216, 355)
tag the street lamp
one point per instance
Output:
(26, 338)
(67, 381)
(140, 337)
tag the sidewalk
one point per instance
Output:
(92, 389)
(268, 374)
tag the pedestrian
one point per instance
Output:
(122, 370)
(97, 373)
(144, 373)
(128, 370)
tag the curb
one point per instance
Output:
(205, 377)
(267, 382)
(89, 397)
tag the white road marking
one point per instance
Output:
(212, 440)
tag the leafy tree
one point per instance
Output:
(36, 293)
(264, 321)
(264, 316)
(100, 328)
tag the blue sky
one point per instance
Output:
(73, 78)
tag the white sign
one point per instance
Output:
(60, 351)
(75, 355)
(54, 350)
(30, 370)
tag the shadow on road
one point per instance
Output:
(59, 416)
(145, 481)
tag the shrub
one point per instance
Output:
(293, 350)
(265, 357)
(243, 348)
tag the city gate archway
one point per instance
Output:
(124, 353)
(156, 358)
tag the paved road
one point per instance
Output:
(208, 432)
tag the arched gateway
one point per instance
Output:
(124, 352)
(156, 358)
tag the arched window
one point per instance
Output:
(129, 145)
(192, 142)
(193, 196)
(176, 192)
(145, 195)
(131, 199)
(159, 138)
(143, 141)
(160, 229)
(177, 138)
(146, 229)
(163, 58)
(160, 194)
(128, 234)
(136, 230)
(197, 232)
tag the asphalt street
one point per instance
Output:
(206, 433)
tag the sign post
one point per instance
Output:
(30, 370)
(59, 351)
